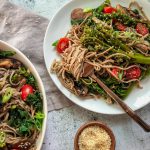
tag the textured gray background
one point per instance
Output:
(63, 124)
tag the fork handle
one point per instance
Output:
(125, 107)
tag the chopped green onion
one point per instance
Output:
(86, 10)
(2, 139)
(13, 106)
(39, 115)
(7, 95)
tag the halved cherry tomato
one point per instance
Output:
(109, 10)
(63, 43)
(15, 147)
(115, 72)
(120, 26)
(142, 29)
(25, 91)
(133, 73)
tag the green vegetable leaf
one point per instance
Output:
(21, 120)
(24, 129)
(31, 80)
(7, 95)
(135, 11)
(35, 100)
(2, 139)
(148, 38)
(101, 7)
(23, 114)
(55, 43)
(123, 93)
(145, 73)
(4, 54)
(38, 120)
(94, 87)
(17, 116)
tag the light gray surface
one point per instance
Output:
(63, 124)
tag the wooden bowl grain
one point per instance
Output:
(95, 123)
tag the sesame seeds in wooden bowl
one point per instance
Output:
(94, 135)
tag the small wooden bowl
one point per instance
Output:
(95, 123)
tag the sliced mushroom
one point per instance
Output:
(128, 11)
(131, 13)
(121, 9)
(10, 63)
(142, 47)
(77, 14)
(82, 91)
(85, 91)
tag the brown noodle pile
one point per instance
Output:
(12, 136)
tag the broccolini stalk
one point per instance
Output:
(139, 58)
(112, 40)
(136, 57)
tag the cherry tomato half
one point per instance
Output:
(15, 147)
(109, 10)
(25, 91)
(133, 73)
(120, 26)
(63, 43)
(115, 72)
(142, 29)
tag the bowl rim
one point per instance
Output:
(95, 123)
(40, 85)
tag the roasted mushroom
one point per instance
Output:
(128, 11)
(9, 63)
(77, 14)
(142, 47)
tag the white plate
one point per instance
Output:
(58, 27)
(22, 58)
